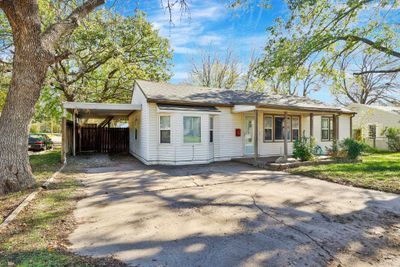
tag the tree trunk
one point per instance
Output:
(29, 72)
(34, 52)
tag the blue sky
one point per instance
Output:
(210, 23)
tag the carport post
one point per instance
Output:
(74, 133)
(63, 137)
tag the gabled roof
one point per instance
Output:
(197, 95)
(390, 109)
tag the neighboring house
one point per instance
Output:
(373, 120)
(183, 124)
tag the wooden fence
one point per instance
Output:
(105, 140)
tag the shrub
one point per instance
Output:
(357, 134)
(333, 151)
(393, 136)
(352, 148)
(303, 149)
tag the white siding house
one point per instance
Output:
(180, 124)
(374, 120)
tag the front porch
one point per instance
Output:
(269, 133)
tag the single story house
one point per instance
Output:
(184, 124)
(371, 121)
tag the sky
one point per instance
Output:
(209, 24)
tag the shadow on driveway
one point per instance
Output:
(230, 214)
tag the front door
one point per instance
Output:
(249, 129)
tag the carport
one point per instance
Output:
(79, 136)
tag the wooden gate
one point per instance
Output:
(105, 140)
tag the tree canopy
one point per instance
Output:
(325, 29)
(105, 54)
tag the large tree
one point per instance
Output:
(36, 39)
(108, 56)
(215, 69)
(326, 29)
(368, 88)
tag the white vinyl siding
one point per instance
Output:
(225, 146)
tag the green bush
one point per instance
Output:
(352, 148)
(393, 136)
(34, 129)
(303, 149)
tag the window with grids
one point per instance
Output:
(326, 128)
(191, 129)
(372, 131)
(295, 128)
(268, 128)
(165, 129)
(274, 128)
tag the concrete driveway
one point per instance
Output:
(229, 214)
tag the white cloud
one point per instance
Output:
(210, 39)
(184, 50)
(180, 76)
(186, 32)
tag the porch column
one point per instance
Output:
(256, 138)
(285, 133)
(74, 134)
(334, 128)
(311, 125)
(351, 126)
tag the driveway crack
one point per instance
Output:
(316, 242)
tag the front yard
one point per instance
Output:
(38, 236)
(43, 165)
(379, 171)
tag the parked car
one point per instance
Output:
(39, 142)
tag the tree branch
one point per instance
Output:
(373, 44)
(4, 4)
(376, 71)
(53, 34)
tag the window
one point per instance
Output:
(295, 128)
(274, 127)
(279, 127)
(268, 128)
(136, 134)
(372, 131)
(326, 129)
(165, 129)
(191, 130)
(211, 129)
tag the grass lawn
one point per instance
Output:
(38, 236)
(380, 171)
(43, 165)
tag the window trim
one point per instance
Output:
(299, 128)
(164, 129)
(373, 125)
(330, 121)
(265, 128)
(273, 127)
(183, 130)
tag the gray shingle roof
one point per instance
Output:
(197, 95)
